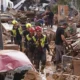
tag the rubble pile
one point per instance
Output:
(57, 76)
(32, 75)
(70, 66)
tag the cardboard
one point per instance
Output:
(11, 46)
(76, 65)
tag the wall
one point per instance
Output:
(5, 4)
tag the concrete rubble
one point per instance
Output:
(70, 72)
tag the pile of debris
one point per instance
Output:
(61, 76)
(32, 75)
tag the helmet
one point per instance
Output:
(32, 29)
(14, 22)
(38, 28)
(28, 25)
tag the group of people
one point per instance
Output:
(35, 42)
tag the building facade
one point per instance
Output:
(5, 4)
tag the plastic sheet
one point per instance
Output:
(12, 59)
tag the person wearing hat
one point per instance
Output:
(17, 34)
(40, 51)
(30, 44)
(26, 32)
(28, 25)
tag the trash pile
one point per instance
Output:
(23, 68)
(61, 76)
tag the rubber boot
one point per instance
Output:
(42, 69)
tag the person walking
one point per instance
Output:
(30, 46)
(41, 46)
(17, 34)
